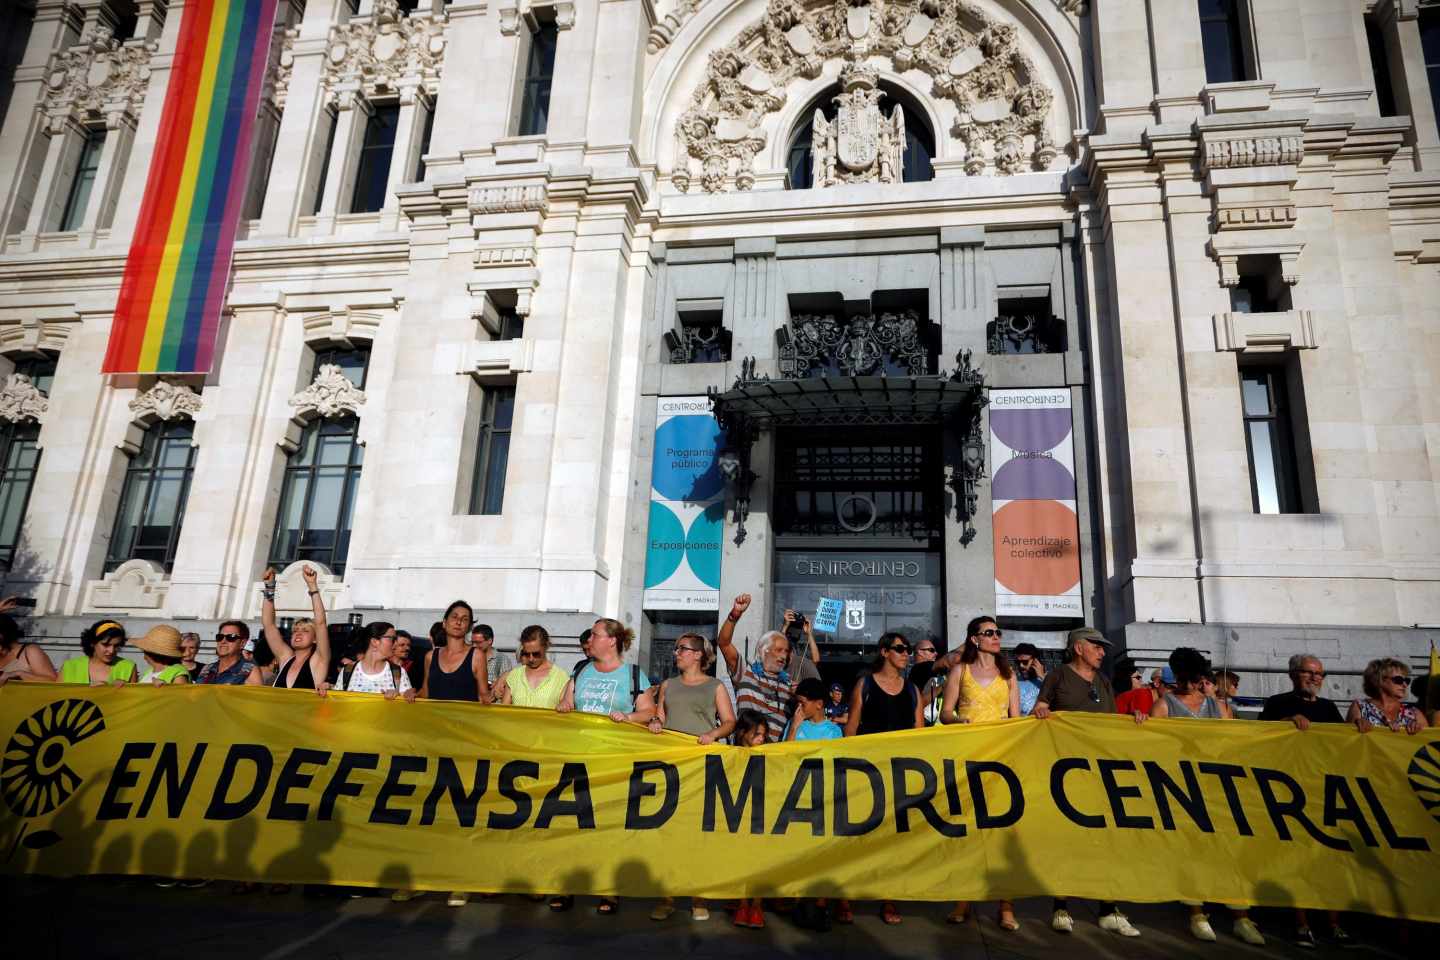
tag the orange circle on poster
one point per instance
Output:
(1036, 552)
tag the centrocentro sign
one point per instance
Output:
(687, 508)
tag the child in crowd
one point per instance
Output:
(750, 732)
(809, 722)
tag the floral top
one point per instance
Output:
(1372, 714)
(234, 676)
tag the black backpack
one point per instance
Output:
(635, 690)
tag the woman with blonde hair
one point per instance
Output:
(604, 686)
(536, 682)
(1386, 682)
(304, 662)
(693, 703)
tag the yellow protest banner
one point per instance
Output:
(253, 783)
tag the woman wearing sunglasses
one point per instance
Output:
(536, 682)
(102, 662)
(981, 689)
(1387, 683)
(883, 701)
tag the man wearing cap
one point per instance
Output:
(1080, 686)
(232, 668)
(164, 655)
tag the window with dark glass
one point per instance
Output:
(1222, 37)
(1262, 287)
(322, 477)
(1270, 439)
(492, 450)
(539, 73)
(1024, 324)
(512, 325)
(699, 335)
(919, 141)
(1430, 47)
(372, 173)
(19, 460)
(152, 500)
(84, 180)
(425, 141)
(1380, 68)
(331, 123)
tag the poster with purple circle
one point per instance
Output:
(1033, 512)
(687, 508)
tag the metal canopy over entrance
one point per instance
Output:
(757, 403)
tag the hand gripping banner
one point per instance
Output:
(259, 784)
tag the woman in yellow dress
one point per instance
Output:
(982, 687)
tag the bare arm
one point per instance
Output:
(725, 639)
(644, 710)
(322, 628)
(952, 698)
(1356, 717)
(852, 722)
(38, 666)
(726, 714)
(567, 699)
(1014, 696)
(425, 680)
(919, 710)
(268, 627)
(252, 679)
(795, 721)
(810, 639)
(481, 669)
(1160, 709)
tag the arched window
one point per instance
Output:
(20, 459)
(317, 497)
(919, 140)
(152, 501)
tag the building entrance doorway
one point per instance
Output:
(858, 517)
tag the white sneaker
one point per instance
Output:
(699, 913)
(457, 899)
(1117, 922)
(1246, 930)
(1200, 928)
(1061, 922)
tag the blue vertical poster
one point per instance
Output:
(687, 508)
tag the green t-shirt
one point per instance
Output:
(77, 670)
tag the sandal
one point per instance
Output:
(663, 910)
(607, 906)
(890, 915)
(1006, 921)
(960, 914)
(561, 903)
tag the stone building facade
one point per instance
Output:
(485, 238)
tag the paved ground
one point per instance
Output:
(132, 918)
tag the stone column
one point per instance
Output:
(351, 114)
(463, 121)
(966, 306)
(22, 149)
(570, 104)
(1141, 307)
(231, 447)
(1400, 25)
(1121, 41)
(299, 154)
(620, 56)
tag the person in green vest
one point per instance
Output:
(164, 654)
(102, 662)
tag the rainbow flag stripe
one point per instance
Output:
(168, 316)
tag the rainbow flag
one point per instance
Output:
(168, 315)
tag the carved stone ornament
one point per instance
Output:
(332, 394)
(166, 401)
(861, 145)
(281, 66)
(1075, 8)
(98, 77)
(1254, 152)
(972, 59)
(21, 400)
(380, 54)
(514, 198)
(666, 27)
(820, 343)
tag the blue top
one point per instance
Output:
(1029, 693)
(597, 692)
(819, 730)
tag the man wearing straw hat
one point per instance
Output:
(163, 655)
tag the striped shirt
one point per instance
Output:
(768, 693)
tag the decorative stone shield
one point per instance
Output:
(858, 134)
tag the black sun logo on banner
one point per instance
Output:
(34, 779)
(1424, 775)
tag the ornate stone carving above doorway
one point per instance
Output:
(973, 61)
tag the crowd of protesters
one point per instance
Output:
(775, 695)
